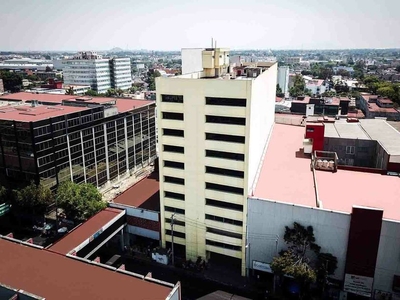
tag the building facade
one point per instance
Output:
(79, 142)
(283, 79)
(88, 68)
(212, 131)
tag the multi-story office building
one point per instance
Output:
(212, 128)
(121, 76)
(89, 68)
(82, 140)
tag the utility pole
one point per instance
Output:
(172, 238)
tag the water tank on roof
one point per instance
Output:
(319, 163)
(331, 164)
(325, 163)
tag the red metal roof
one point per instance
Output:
(26, 113)
(125, 105)
(84, 231)
(286, 177)
(144, 194)
(57, 277)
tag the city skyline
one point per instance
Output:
(287, 24)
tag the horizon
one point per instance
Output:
(284, 25)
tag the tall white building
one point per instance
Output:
(283, 79)
(89, 68)
(212, 127)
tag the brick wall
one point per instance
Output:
(143, 223)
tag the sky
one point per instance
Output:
(38, 25)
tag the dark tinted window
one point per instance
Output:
(223, 245)
(173, 195)
(174, 164)
(225, 138)
(176, 233)
(174, 180)
(224, 233)
(226, 101)
(224, 188)
(224, 220)
(226, 155)
(225, 172)
(175, 149)
(225, 205)
(172, 98)
(172, 116)
(174, 210)
(173, 132)
(225, 120)
(180, 223)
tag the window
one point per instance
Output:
(173, 195)
(224, 233)
(225, 172)
(176, 222)
(176, 233)
(226, 101)
(175, 149)
(174, 164)
(224, 220)
(173, 132)
(350, 149)
(172, 116)
(225, 120)
(223, 245)
(225, 205)
(174, 180)
(174, 210)
(225, 138)
(225, 155)
(224, 188)
(172, 98)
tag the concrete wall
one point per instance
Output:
(388, 262)
(192, 60)
(262, 116)
(267, 219)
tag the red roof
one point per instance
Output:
(24, 96)
(57, 277)
(26, 113)
(144, 194)
(286, 177)
(125, 105)
(85, 231)
(278, 99)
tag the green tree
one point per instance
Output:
(111, 93)
(133, 89)
(12, 81)
(327, 265)
(48, 69)
(298, 87)
(70, 91)
(91, 93)
(33, 199)
(79, 201)
(3, 194)
(119, 92)
(279, 92)
(151, 77)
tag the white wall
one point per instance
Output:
(143, 232)
(266, 219)
(192, 60)
(138, 212)
(262, 115)
(388, 261)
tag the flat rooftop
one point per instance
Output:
(84, 231)
(26, 113)
(24, 96)
(57, 277)
(367, 129)
(144, 194)
(286, 177)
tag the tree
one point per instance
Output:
(151, 76)
(79, 201)
(70, 91)
(119, 92)
(3, 194)
(91, 93)
(111, 93)
(327, 265)
(33, 199)
(12, 81)
(48, 69)
(398, 69)
(298, 87)
(279, 92)
(133, 89)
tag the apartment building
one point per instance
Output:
(93, 140)
(89, 68)
(212, 128)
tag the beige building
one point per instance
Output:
(213, 127)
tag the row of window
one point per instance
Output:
(176, 233)
(209, 153)
(223, 245)
(209, 100)
(224, 233)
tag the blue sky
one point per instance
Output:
(175, 24)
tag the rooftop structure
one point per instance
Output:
(54, 276)
(285, 176)
(374, 106)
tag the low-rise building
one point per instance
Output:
(375, 106)
(317, 86)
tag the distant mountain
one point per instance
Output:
(116, 49)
